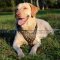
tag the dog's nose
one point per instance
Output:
(17, 13)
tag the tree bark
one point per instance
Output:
(13, 6)
(31, 1)
(37, 3)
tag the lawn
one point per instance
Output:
(50, 47)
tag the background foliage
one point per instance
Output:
(8, 5)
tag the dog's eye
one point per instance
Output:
(25, 8)
(16, 9)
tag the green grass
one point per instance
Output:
(50, 47)
(7, 22)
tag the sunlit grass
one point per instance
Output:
(7, 22)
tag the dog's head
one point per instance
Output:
(24, 11)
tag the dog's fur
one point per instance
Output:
(28, 12)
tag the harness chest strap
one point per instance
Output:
(29, 37)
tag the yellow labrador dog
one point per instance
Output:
(30, 30)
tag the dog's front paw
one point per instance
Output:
(21, 55)
(32, 53)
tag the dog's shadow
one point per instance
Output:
(8, 36)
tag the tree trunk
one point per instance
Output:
(13, 6)
(43, 3)
(37, 3)
(31, 1)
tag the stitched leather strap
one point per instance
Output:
(29, 37)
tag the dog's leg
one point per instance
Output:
(18, 50)
(34, 49)
(18, 42)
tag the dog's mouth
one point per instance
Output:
(20, 18)
(21, 21)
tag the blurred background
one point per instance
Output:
(9, 5)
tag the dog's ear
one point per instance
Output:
(34, 10)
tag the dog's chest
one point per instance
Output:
(29, 37)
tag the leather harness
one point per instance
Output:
(29, 37)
